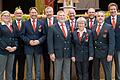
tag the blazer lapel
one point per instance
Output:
(60, 31)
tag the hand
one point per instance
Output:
(8, 48)
(73, 59)
(14, 48)
(36, 42)
(31, 43)
(52, 57)
(109, 58)
(90, 58)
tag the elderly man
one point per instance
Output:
(60, 47)
(104, 42)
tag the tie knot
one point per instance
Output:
(113, 18)
(50, 19)
(62, 24)
(90, 20)
(18, 20)
(33, 20)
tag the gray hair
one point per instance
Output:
(82, 19)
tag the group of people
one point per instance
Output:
(85, 42)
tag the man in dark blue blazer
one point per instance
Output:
(113, 15)
(48, 22)
(33, 37)
(104, 42)
(90, 23)
(19, 56)
(60, 47)
(72, 20)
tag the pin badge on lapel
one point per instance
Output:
(105, 33)
(86, 38)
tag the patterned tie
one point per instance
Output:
(98, 29)
(113, 22)
(79, 37)
(18, 24)
(50, 22)
(34, 28)
(63, 30)
(72, 26)
(90, 23)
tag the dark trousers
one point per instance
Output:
(90, 69)
(46, 59)
(107, 67)
(21, 65)
(82, 68)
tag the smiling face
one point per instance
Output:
(72, 14)
(49, 12)
(113, 10)
(100, 16)
(113, 7)
(61, 16)
(33, 13)
(91, 13)
(18, 14)
(81, 23)
(5, 17)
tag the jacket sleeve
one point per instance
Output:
(91, 48)
(23, 35)
(50, 40)
(111, 41)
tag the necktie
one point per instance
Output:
(50, 22)
(90, 23)
(113, 22)
(79, 37)
(19, 24)
(72, 26)
(33, 25)
(11, 28)
(63, 30)
(98, 29)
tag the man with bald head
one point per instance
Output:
(72, 20)
(19, 56)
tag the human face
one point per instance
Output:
(49, 13)
(61, 17)
(91, 13)
(6, 18)
(81, 25)
(100, 17)
(113, 10)
(18, 14)
(72, 14)
(33, 14)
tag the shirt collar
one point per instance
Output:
(32, 20)
(85, 30)
(114, 17)
(2, 23)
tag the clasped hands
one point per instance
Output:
(11, 49)
(34, 42)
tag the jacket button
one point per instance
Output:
(100, 42)
(64, 48)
